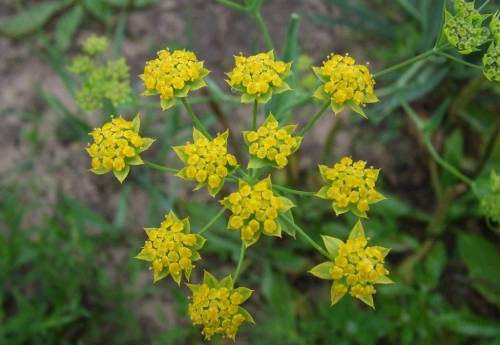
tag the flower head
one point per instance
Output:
(116, 146)
(215, 305)
(490, 202)
(345, 83)
(354, 267)
(255, 209)
(270, 144)
(94, 44)
(491, 62)
(171, 248)
(350, 186)
(257, 77)
(172, 75)
(207, 161)
(464, 30)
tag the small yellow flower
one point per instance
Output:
(255, 210)
(171, 248)
(257, 77)
(207, 161)
(215, 305)
(271, 144)
(354, 267)
(172, 75)
(350, 186)
(345, 84)
(116, 146)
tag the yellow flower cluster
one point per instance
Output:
(171, 248)
(270, 143)
(207, 161)
(354, 268)
(345, 83)
(117, 145)
(216, 306)
(258, 76)
(255, 209)
(350, 186)
(173, 74)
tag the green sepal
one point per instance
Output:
(244, 292)
(251, 241)
(317, 72)
(147, 142)
(187, 273)
(339, 210)
(204, 72)
(200, 242)
(197, 84)
(193, 287)
(177, 277)
(227, 282)
(182, 93)
(263, 99)
(322, 192)
(149, 93)
(197, 135)
(284, 226)
(187, 225)
(357, 231)
(331, 244)
(337, 108)
(290, 128)
(195, 256)
(149, 231)
(246, 98)
(287, 204)
(100, 171)
(136, 160)
(161, 275)
(179, 151)
(356, 212)
(136, 123)
(210, 280)
(143, 256)
(322, 170)
(384, 280)
(167, 104)
(368, 300)
(384, 250)
(334, 297)
(380, 197)
(322, 271)
(198, 186)
(283, 88)
(319, 93)
(257, 163)
(371, 98)
(214, 191)
(122, 174)
(246, 315)
(357, 109)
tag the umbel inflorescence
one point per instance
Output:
(256, 208)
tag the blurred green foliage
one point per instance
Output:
(61, 281)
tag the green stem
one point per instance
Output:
(405, 63)
(254, 118)
(432, 151)
(306, 237)
(293, 191)
(160, 167)
(265, 32)
(313, 119)
(196, 121)
(212, 221)
(451, 57)
(483, 5)
(240, 262)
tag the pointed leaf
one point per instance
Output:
(122, 174)
(357, 231)
(210, 280)
(335, 297)
(322, 270)
(331, 244)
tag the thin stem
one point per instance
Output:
(196, 121)
(405, 63)
(212, 221)
(240, 261)
(255, 114)
(232, 5)
(432, 151)
(293, 191)
(483, 5)
(451, 57)
(265, 32)
(306, 237)
(160, 167)
(313, 119)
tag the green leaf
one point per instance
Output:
(67, 26)
(322, 270)
(99, 8)
(29, 20)
(482, 259)
(331, 244)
